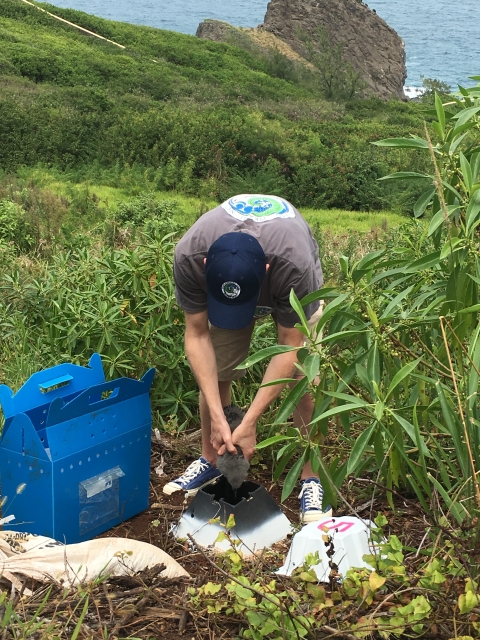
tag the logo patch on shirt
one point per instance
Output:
(262, 312)
(258, 208)
(231, 290)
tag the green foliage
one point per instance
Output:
(187, 114)
(338, 80)
(14, 228)
(115, 301)
(401, 594)
(399, 350)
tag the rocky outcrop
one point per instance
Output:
(215, 30)
(372, 47)
(246, 38)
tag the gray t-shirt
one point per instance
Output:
(285, 238)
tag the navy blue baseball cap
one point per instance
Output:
(235, 269)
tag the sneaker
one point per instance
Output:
(311, 499)
(197, 475)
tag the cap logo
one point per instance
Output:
(258, 208)
(231, 290)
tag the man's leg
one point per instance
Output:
(231, 348)
(208, 452)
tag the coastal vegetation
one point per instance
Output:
(194, 115)
(107, 155)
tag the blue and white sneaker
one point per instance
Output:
(311, 501)
(197, 475)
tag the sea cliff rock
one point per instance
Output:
(372, 47)
(215, 30)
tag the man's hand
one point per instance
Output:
(221, 437)
(245, 437)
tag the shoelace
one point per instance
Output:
(194, 470)
(313, 495)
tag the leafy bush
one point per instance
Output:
(196, 116)
(144, 208)
(14, 229)
(118, 302)
(399, 356)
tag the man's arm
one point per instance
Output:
(200, 354)
(280, 366)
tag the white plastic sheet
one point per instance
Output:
(45, 559)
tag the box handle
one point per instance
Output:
(55, 383)
(107, 394)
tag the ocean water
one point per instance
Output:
(441, 38)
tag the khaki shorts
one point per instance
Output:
(232, 346)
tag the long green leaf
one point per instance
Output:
(289, 404)
(358, 448)
(473, 210)
(284, 460)
(403, 143)
(400, 375)
(423, 201)
(426, 262)
(273, 440)
(455, 508)
(405, 175)
(322, 294)
(439, 218)
(344, 408)
(78, 626)
(440, 114)
(410, 431)
(465, 116)
(293, 475)
(297, 307)
(454, 427)
(346, 397)
(269, 352)
(466, 171)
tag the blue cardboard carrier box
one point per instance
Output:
(75, 451)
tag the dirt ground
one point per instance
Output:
(168, 618)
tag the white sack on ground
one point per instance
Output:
(78, 563)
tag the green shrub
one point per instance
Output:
(14, 228)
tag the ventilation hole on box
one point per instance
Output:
(71, 466)
(44, 411)
(138, 439)
(9, 462)
(102, 418)
(193, 514)
(19, 464)
(42, 421)
(30, 468)
(98, 455)
(61, 470)
(106, 452)
(130, 443)
(89, 422)
(41, 470)
(123, 446)
(145, 436)
(103, 431)
(88, 459)
(92, 435)
(80, 462)
(114, 448)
